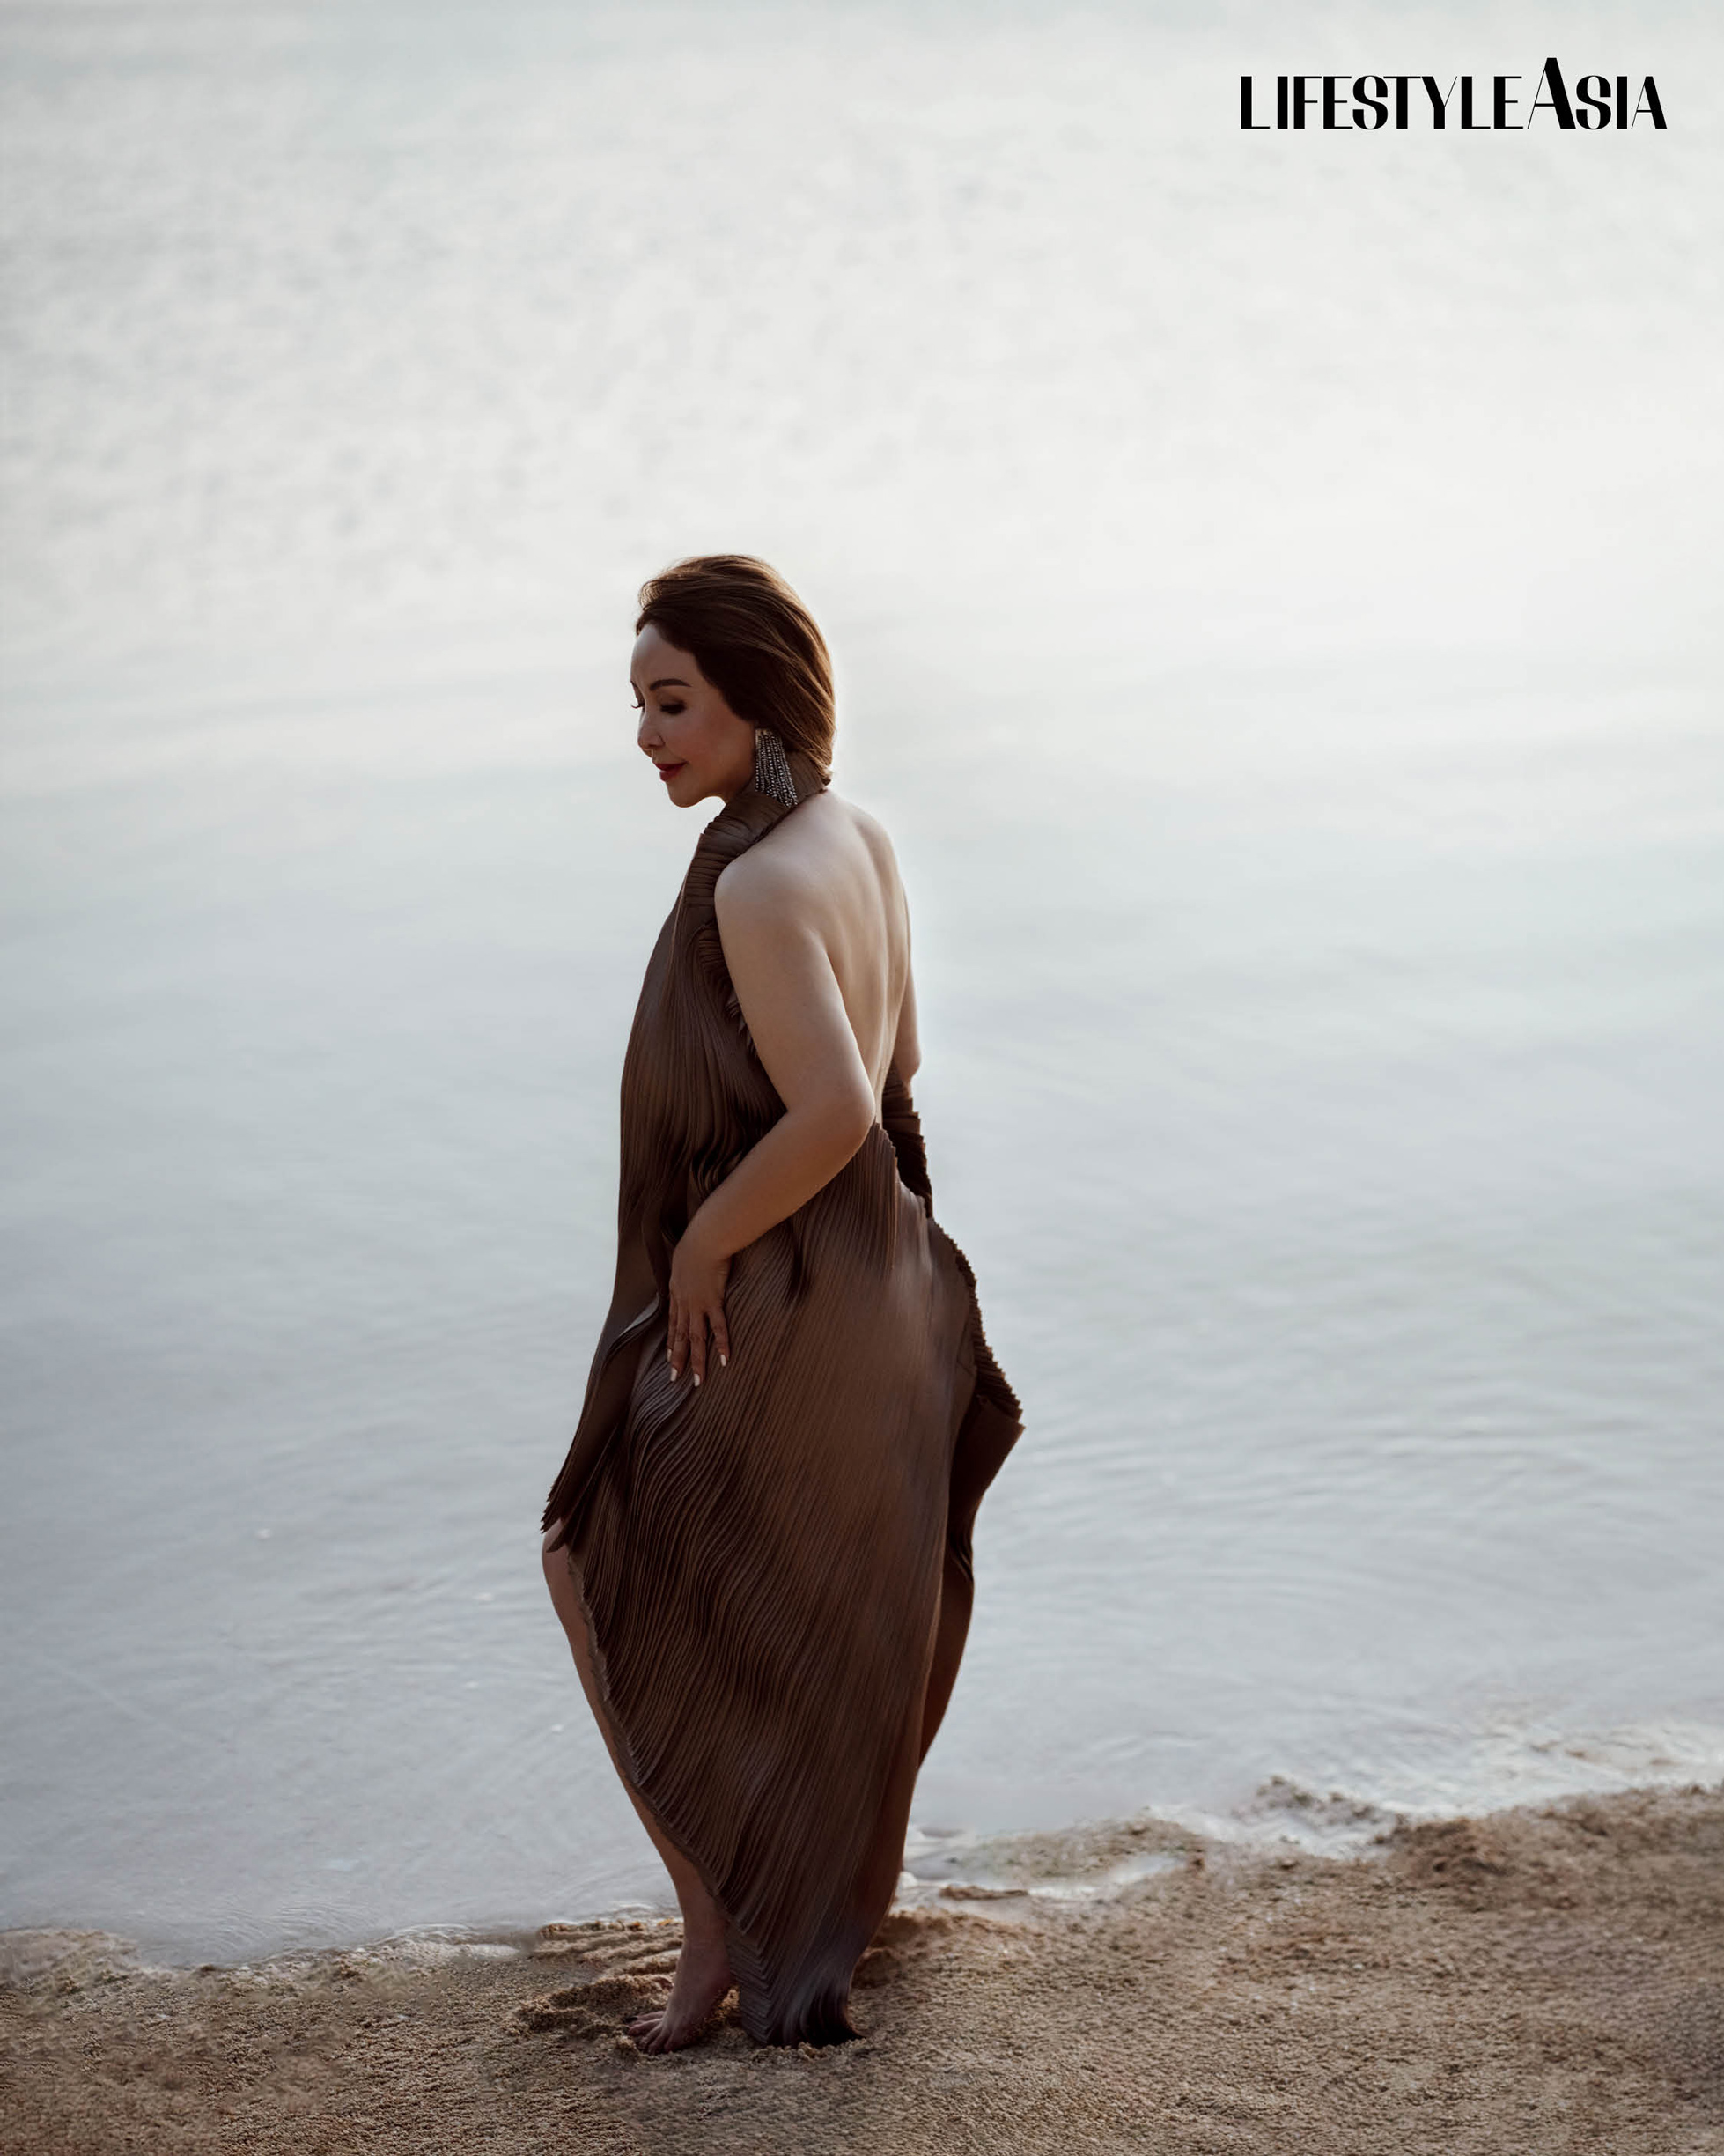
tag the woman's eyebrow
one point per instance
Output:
(670, 681)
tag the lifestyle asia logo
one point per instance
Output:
(1597, 102)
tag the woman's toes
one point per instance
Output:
(649, 2033)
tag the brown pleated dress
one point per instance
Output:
(776, 1567)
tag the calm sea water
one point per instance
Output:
(1273, 581)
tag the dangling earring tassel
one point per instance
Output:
(772, 768)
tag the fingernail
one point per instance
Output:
(724, 1361)
(696, 1376)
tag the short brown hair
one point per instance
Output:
(754, 640)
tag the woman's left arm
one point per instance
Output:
(795, 1013)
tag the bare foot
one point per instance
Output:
(702, 1977)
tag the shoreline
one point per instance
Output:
(1546, 1978)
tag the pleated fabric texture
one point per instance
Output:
(776, 1567)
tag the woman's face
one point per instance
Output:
(697, 741)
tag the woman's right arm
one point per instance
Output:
(794, 1011)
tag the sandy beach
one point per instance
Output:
(1534, 1981)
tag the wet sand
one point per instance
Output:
(1548, 1980)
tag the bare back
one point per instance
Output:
(833, 864)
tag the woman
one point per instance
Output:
(759, 1542)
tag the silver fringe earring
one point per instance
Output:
(772, 768)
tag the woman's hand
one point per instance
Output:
(697, 1277)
